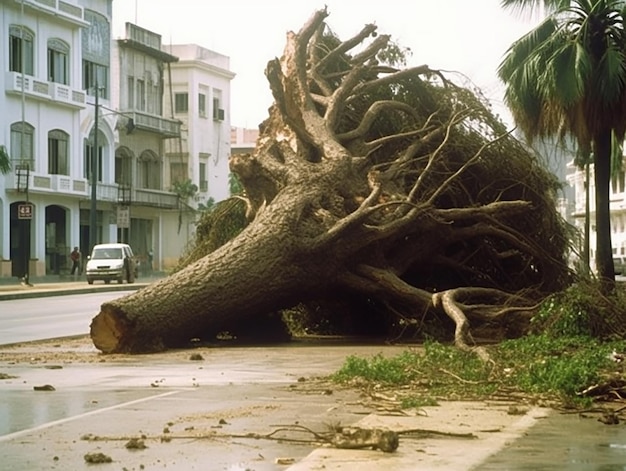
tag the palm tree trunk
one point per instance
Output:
(604, 251)
(586, 242)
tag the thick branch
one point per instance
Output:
(462, 337)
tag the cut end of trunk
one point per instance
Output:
(112, 331)
(107, 331)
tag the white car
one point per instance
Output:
(111, 262)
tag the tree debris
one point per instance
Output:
(393, 192)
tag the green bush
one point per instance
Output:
(582, 310)
(559, 368)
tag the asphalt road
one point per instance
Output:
(23, 320)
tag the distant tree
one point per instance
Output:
(568, 77)
(185, 190)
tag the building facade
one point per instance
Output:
(42, 126)
(200, 83)
(146, 206)
(97, 139)
(617, 198)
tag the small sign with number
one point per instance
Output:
(25, 211)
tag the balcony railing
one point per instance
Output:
(80, 187)
(45, 183)
(60, 9)
(46, 91)
(138, 196)
(143, 36)
(154, 123)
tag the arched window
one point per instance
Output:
(58, 153)
(149, 171)
(21, 52)
(89, 153)
(22, 151)
(58, 61)
(123, 167)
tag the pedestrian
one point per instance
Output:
(75, 257)
(150, 260)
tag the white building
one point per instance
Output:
(43, 126)
(200, 82)
(56, 54)
(147, 209)
(617, 197)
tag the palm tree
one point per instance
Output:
(567, 76)
(5, 161)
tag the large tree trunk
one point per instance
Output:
(367, 182)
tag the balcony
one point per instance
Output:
(154, 123)
(110, 192)
(46, 184)
(155, 198)
(145, 41)
(64, 185)
(46, 91)
(61, 10)
(65, 95)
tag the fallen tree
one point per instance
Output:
(370, 182)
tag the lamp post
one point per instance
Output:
(94, 177)
(26, 277)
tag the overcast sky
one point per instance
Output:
(469, 36)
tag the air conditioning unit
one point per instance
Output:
(218, 114)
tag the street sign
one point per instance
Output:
(25, 211)
(123, 217)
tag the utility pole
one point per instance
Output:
(94, 176)
(27, 240)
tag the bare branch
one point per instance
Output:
(373, 112)
(462, 337)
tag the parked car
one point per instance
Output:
(112, 262)
(619, 265)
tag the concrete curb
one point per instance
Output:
(36, 292)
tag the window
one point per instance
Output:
(131, 92)
(618, 182)
(149, 171)
(95, 75)
(123, 167)
(181, 102)
(216, 107)
(89, 152)
(178, 172)
(202, 105)
(204, 184)
(141, 95)
(57, 152)
(21, 50)
(22, 144)
(156, 98)
(58, 62)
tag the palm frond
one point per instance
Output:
(610, 76)
(519, 6)
(567, 73)
(525, 48)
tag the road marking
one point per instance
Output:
(10, 436)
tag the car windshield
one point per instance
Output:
(107, 254)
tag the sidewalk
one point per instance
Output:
(214, 413)
(56, 285)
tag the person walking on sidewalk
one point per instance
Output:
(75, 257)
